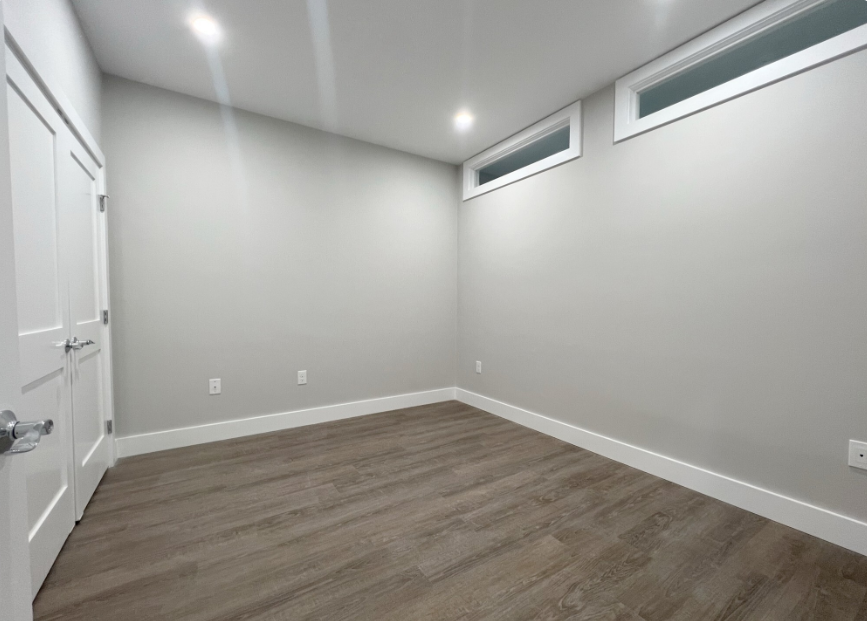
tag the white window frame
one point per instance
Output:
(735, 31)
(569, 116)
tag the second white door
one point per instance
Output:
(80, 226)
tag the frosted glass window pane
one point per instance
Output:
(546, 146)
(803, 31)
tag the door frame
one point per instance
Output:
(51, 89)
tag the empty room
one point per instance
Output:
(398, 310)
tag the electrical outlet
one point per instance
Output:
(858, 454)
(215, 387)
(478, 366)
(302, 378)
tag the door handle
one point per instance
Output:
(76, 344)
(16, 438)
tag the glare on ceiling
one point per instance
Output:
(463, 121)
(206, 28)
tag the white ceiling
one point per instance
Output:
(394, 72)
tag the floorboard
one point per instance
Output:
(436, 512)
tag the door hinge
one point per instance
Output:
(102, 199)
(109, 427)
(105, 317)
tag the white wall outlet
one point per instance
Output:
(215, 386)
(858, 454)
(478, 366)
(302, 378)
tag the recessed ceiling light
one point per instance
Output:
(206, 28)
(463, 121)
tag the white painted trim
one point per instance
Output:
(227, 430)
(838, 529)
(571, 116)
(107, 363)
(57, 97)
(733, 32)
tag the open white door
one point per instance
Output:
(14, 553)
(63, 349)
(79, 201)
(37, 137)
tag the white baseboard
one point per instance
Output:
(838, 529)
(227, 430)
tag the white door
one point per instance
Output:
(14, 554)
(36, 136)
(79, 203)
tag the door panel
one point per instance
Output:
(45, 479)
(81, 196)
(35, 216)
(80, 208)
(37, 260)
(36, 132)
(50, 499)
(91, 449)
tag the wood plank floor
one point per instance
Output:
(437, 512)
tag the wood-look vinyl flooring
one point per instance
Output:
(436, 512)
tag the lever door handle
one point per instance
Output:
(16, 438)
(76, 344)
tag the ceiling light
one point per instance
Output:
(463, 121)
(206, 28)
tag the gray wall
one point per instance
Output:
(247, 248)
(699, 291)
(50, 34)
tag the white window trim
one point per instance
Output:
(570, 116)
(748, 24)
